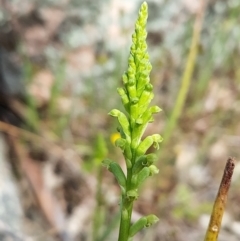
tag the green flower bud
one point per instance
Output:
(151, 158)
(134, 112)
(154, 109)
(153, 170)
(114, 113)
(138, 226)
(128, 155)
(135, 141)
(139, 164)
(149, 87)
(133, 47)
(134, 100)
(125, 78)
(131, 61)
(131, 69)
(143, 79)
(156, 140)
(144, 161)
(139, 121)
(118, 173)
(147, 142)
(131, 87)
(145, 100)
(132, 195)
(147, 115)
(123, 121)
(120, 130)
(106, 163)
(144, 45)
(121, 143)
(142, 123)
(143, 175)
(124, 97)
(151, 219)
(125, 147)
(147, 118)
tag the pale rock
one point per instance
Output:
(218, 150)
(235, 228)
(186, 155)
(198, 175)
(192, 6)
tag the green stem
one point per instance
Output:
(126, 211)
(125, 221)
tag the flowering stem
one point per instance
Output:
(136, 96)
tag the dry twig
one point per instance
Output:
(220, 202)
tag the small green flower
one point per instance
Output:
(143, 222)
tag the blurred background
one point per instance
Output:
(60, 64)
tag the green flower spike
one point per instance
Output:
(136, 95)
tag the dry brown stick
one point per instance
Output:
(220, 202)
(21, 133)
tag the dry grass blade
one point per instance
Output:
(220, 202)
(187, 75)
(18, 133)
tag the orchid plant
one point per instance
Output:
(136, 95)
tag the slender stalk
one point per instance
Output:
(187, 76)
(220, 202)
(100, 152)
(126, 211)
(125, 222)
(98, 209)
